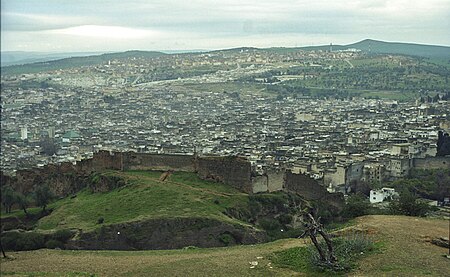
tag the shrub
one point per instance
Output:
(62, 235)
(9, 240)
(357, 205)
(100, 220)
(270, 224)
(30, 241)
(347, 252)
(409, 204)
(53, 244)
(226, 239)
(285, 219)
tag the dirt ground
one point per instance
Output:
(406, 249)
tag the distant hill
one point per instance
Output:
(22, 57)
(382, 47)
(53, 62)
(76, 62)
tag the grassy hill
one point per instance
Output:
(182, 194)
(404, 251)
(145, 197)
(150, 213)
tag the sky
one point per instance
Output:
(99, 25)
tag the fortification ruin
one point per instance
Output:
(67, 178)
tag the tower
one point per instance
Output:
(331, 47)
(24, 133)
(51, 132)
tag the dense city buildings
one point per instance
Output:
(218, 103)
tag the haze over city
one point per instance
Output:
(79, 26)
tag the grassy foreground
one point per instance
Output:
(405, 251)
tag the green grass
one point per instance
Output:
(296, 258)
(32, 274)
(183, 195)
(20, 213)
(306, 259)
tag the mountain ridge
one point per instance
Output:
(366, 45)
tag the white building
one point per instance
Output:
(378, 196)
(24, 133)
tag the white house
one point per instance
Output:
(379, 195)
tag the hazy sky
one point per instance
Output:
(98, 25)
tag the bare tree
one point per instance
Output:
(1, 246)
(313, 227)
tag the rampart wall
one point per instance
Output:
(144, 161)
(68, 178)
(304, 185)
(233, 171)
(431, 163)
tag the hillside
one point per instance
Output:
(183, 195)
(155, 210)
(370, 46)
(382, 47)
(73, 62)
(404, 251)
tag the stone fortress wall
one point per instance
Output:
(431, 163)
(68, 178)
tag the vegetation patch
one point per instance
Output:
(21, 241)
(306, 259)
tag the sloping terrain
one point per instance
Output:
(144, 197)
(76, 62)
(148, 210)
(405, 251)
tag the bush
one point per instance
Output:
(357, 205)
(409, 204)
(31, 241)
(100, 220)
(285, 219)
(62, 235)
(301, 259)
(270, 224)
(346, 251)
(9, 240)
(53, 244)
(226, 239)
